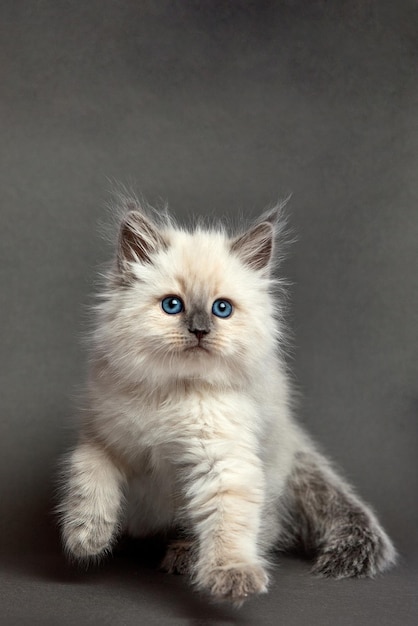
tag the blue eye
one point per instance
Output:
(222, 308)
(172, 305)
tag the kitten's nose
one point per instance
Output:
(198, 332)
(198, 323)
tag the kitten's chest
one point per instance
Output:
(172, 423)
(203, 414)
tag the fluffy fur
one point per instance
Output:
(187, 422)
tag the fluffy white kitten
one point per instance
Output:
(187, 423)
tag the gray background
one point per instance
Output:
(219, 108)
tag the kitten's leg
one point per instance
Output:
(180, 557)
(330, 520)
(91, 502)
(225, 497)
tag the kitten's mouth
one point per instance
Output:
(198, 347)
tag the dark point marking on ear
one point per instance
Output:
(255, 247)
(139, 239)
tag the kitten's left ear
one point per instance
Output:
(255, 247)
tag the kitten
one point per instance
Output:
(187, 424)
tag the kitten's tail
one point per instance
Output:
(328, 520)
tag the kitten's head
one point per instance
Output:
(188, 304)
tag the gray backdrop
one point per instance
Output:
(219, 108)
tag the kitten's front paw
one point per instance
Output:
(180, 557)
(86, 539)
(355, 553)
(235, 583)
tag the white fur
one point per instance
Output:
(197, 439)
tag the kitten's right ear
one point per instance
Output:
(139, 239)
(255, 247)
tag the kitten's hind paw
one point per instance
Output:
(235, 583)
(179, 558)
(355, 553)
